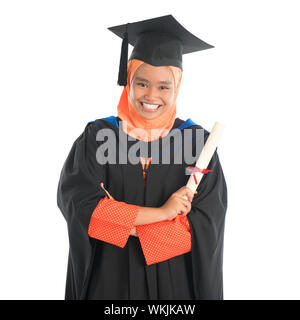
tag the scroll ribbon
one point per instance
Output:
(195, 169)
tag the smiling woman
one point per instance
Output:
(133, 235)
(149, 99)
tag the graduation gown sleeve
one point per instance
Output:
(207, 221)
(78, 195)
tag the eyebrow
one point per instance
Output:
(145, 80)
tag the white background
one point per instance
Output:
(58, 71)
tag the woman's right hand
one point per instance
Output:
(176, 204)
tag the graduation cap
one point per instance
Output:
(160, 42)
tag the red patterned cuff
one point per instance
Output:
(164, 240)
(112, 221)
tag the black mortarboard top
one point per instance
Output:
(160, 42)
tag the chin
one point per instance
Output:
(150, 116)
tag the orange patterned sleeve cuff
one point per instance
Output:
(112, 221)
(164, 240)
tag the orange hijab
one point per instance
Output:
(154, 128)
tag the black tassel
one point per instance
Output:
(122, 80)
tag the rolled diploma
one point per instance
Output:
(206, 155)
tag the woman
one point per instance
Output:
(136, 237)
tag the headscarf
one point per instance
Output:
(152, 128)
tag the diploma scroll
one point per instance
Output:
(205, 156)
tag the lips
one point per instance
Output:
(149, 107)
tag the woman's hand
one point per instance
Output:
(133, 232)
(176, 204)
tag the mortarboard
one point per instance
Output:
(160, 42)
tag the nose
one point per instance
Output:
(151, 94)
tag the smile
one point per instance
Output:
(149, 107)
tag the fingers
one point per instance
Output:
(185, 191)
(181, 201)
(185, 206)
(108, 194)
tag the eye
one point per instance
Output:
(163, 87)
(143, 85)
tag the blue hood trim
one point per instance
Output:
(112, 119)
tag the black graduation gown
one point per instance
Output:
(100, 270)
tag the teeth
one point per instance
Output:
(150, 106)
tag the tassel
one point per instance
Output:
(122, 80)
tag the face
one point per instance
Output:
(152, 91)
